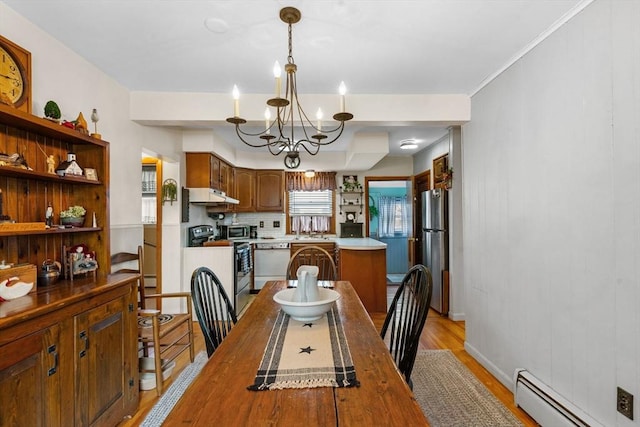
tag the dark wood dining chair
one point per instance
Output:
(213, 308)
(406, 318)
(155, 326)
(313, 255)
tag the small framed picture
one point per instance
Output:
(91, 174)
(439, 168)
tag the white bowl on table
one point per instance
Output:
(306, 311)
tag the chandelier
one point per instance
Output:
(280, 134)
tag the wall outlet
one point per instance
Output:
(625, 403)
(261, 224)
(276, 224)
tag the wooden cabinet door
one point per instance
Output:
(30, 379)
(245, 186)
(214, 172)
(270, 191)
(225, 177)
(198, 168)
(101, 351)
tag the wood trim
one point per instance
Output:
(366, 194)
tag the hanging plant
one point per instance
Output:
(373, 210)
(169, 191)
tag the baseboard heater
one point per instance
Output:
(545, 405)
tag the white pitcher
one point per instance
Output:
(307, 289)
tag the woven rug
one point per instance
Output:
(168, 400)
(305, 355)
(451, 396)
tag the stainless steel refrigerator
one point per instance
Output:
(435, 245)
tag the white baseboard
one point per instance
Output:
(505, 379)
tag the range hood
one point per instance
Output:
(208, 196)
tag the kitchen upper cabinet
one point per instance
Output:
(204, 170)
(245, 190)
(226, 178)
(270, 191)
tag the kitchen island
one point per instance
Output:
(362, 261)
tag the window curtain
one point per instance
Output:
(310, 224)
(296, 181)
(393, 216)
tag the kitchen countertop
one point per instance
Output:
(353, 243)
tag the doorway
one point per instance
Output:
(390, 220)
(152, 222)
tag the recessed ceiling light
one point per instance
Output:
(408, 144)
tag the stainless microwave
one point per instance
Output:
(234, 232)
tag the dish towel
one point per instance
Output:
(306, 355)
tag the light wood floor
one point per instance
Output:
(439, 333)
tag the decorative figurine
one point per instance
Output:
(94, 119)
(49, 215)
(69, 167)
(51, 164)
(52, 111)
(81, 124)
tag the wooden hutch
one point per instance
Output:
(68, 351)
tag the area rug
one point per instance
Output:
(451, 396)
(168, 400)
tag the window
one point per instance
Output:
(311, 211)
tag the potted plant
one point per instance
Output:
(73, 216)
(52, 111)
(373, 210)
(169, 191)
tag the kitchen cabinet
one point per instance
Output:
(205, 170)
(226, 178)
(270, 191)
(259, 190)
(245, 190)
(26, 193)
(68, 355)
(366, 269)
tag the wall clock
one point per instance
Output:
(15, 75)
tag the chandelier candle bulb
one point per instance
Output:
(277, 72)
(319, 117)
(236, 101)
(343, 90)
(267, 119)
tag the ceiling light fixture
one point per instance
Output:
(289, 114)
(408, 144)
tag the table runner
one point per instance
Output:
(306, 355)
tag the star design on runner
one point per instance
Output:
(307, 324)
(307, 350)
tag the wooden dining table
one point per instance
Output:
(218, 396)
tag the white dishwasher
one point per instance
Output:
(270, 262)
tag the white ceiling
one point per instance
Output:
(375, 46)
